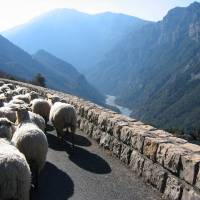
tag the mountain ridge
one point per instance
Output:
(17, 62)
(58, 32)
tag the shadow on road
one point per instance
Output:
(81, 157)
(78, 139)
(53, 184)
(49, 127)
(90, 161)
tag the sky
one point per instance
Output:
(16, 12)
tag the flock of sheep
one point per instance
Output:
(23, 144)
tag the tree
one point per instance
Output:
(39, 79)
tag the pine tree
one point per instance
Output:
(39, 79)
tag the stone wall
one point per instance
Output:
(169, 164)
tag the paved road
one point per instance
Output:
(90, 174)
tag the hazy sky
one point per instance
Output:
(14, 12)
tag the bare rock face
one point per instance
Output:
(194, 31)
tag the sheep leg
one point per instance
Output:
(46, 120)
(36, 179)
(60, 133)
(72, 142)
(34, 176)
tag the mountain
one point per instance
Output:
(58, 74)
(67, 78)
(79, 38)
(155, 70)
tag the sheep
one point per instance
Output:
(15, 179)
(33, 95)
(12, 93)
(22, 90)
(7, 128)
(16, 101)
(4, 88)
(1, 83)
(63, 116)
(35, 118)
(8, 113)
(41, 107)
(27, 97)
(2, 100)
(23, 97)
(31, 141)
(10, 85)
(38, 120)
(53, 98)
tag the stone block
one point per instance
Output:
(191, 147)
(160, 133)
(89, 128)
(117, 128)
(125, 154)
(169, 156)
(126, 133)
(82, 124)
(96, 134)
(190, 168)
(173, 189)
(102, 121)
(116, 148)
(151, 146)
(137, 162)
(190, 194)
(154, 174)
(105, 140)
(137, 139)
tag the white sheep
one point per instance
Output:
(7, 128)
(63, 116)
(38, 120)
(31, 141)
(16, 101)
(8, 113)
(4, 88)
(12, 93)
(27, 97)
(52, 98)
(15, 179)
(7, 96)
(2, 100)
(10, 85)
(22, 90)
(33, 95)
(41, 107)
(1, 83)
(23, 97)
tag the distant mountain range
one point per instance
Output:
(155, 70)
(59, 74)
(79, 38)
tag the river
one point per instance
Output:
(110, 100)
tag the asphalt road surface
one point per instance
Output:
(91, 173)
